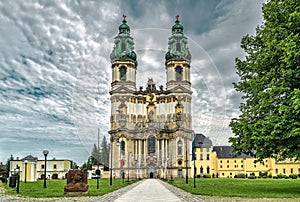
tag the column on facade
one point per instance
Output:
(158, 150)
(144, 151)
(135, 149)
(139, 158)
(163, 152)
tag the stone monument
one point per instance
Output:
(76, 182)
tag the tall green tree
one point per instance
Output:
(7, 165)
(269, 124)
(105, 152)
(96, 155)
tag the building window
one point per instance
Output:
(254, 165)
(234, 161)
(179, 147)
(178, 71)
(221, 166)
(54, 166)
(201, 170)
(201, 156)
(242, 161)
(298, 170)
(227, 166)
(292, 170)
(123, 71)
(221, 161)
(123, 46)
(223, 174)
(179, 173)
(178, 48)
(283, 171)
(42, 166)
(227, 161)
(242, 166)
(276, 170)
(207, 170)
(235, 166)
(207, 149)
(151, 145)
(122, 147)
(207, 157)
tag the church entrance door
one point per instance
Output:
(151, 172)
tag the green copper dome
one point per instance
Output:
(177, 28)
(124, 28)
(124, 45)
(177, 45)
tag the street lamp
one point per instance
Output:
(128, 167)
(45, 152)
(186, 162)
(18, 178)
(25, 170)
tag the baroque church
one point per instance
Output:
(151, 127)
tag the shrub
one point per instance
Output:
(293, 176)
(279, 176)
(270, 176)
(251, 177)
(241, 175)
(207, 176)
(275, 177)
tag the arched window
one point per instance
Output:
(122, 147)
(123, 71)
(123, 46)
(201, 170)
(207, 170)
(151, 145)
(178, 47)
(179, 147)
(178, 71)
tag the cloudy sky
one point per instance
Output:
(55, 70)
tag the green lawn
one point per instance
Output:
(55, 188)
(253, 188)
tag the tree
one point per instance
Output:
(74, 165)
(269, 124)
(105, 152)
(96, 155)
(7, 168)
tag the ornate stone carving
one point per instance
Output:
(76, 182)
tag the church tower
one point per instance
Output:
(150, 128)
(123, 59)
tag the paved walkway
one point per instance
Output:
(149, 190)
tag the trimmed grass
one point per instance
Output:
(55, 188)
(258, 188)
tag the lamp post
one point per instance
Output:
(45, 152)
(25, 170)
(186, 162)
(194, 166)
(128, 167)
(18, 179)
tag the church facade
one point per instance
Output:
(151, 127)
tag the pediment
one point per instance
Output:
(180, 89)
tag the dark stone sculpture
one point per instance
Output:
(76, 182)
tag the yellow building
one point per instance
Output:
(32, 169)
(220, 161)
